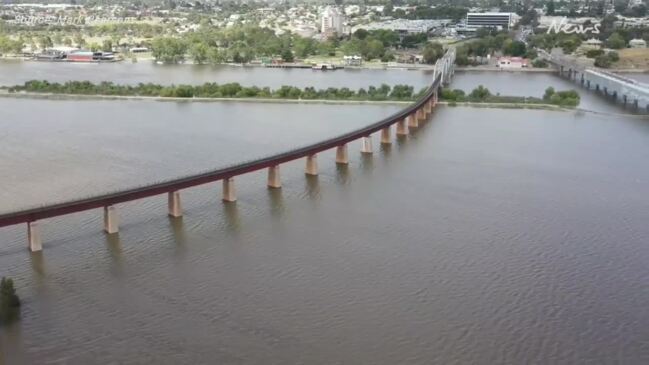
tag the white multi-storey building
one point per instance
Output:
(332, 21)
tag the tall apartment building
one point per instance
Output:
(332, 21)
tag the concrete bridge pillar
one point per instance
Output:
(342, 157)
(366, 144)
(175, 208)
(413, 121)
(421, 114)
(111, 223)
(229, 191)
(311, 165)
(273, 177)
(624, 99)
(385, 135)
(34, 237)
(402, 128)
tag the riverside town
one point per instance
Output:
(324, 182)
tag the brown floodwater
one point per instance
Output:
(487, 236)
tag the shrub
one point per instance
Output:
(9, 301)
(593, 53)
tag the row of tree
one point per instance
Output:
(213, 90)
(481, 94)
(9, 301)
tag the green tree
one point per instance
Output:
(107, 45)
(480, 93)
(9, 301)
(199, 52)
(432, 52)
(79, 40)
(287, 55)
(515, 48)
(550, 7)
(45, 42)
(603, 61)
(616, 41)
(168, 50)
(548, 93)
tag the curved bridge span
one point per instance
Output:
(404, 119)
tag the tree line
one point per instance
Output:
(9, 302)
(481, 94)
(214, 90)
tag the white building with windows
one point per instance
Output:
(332, 21)
(490, 20)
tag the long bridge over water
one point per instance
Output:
(628, 92)
(409, 117)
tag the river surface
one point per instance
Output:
(487, 236)
(17, 72)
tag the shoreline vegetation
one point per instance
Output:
(9, 302)
(397, 94)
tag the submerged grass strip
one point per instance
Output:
(234, 91)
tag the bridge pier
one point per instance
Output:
(342, 157)
(402, 128)
(34, 237)
(421, 114)
(273, 177)
(175, 208)
(624, 100)
(366, 144)
(229, 191)
(385, 135)
(413, 121)
(111, 223)
(311, 165)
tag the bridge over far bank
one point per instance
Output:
(628, 92)
(409, 117)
